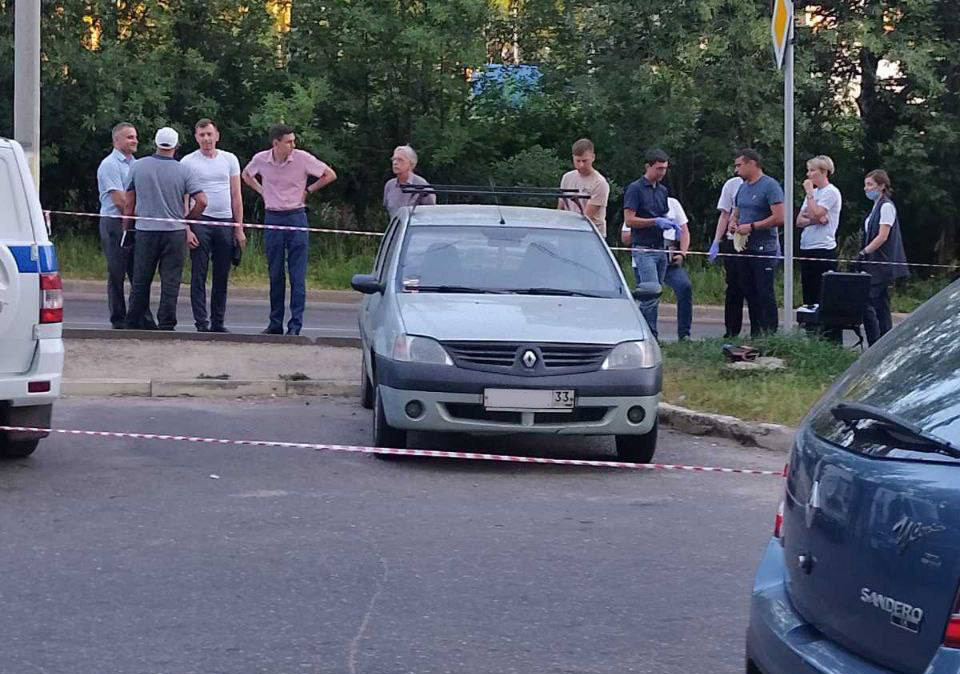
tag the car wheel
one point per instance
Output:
(637, 448)
(385, 435)
(366, 389)
(17, 449)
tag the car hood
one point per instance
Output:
(521, 318)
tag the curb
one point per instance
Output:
(235, 337)
(773, 437)
(206, 388)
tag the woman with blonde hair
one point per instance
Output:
(818, 219)
(883, 244)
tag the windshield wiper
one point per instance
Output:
(553, 291)
(452, 289)
(899, 429)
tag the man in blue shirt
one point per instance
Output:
(645, 211)
(112, 185)
(757, 214)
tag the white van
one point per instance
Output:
(31, 309)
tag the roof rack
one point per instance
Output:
(554, 192)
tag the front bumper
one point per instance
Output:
(780, 641)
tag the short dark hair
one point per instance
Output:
(204, 121)
(656, 157)
(582, 146)
(882, 178)
(120, 127)
(278, 131)
(750, 155)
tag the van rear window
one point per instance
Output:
(14, 213)
(914, 374)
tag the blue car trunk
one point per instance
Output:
(873, 550)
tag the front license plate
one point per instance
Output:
(528, 400)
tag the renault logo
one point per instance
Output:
(529, 359)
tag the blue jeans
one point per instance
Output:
(678, 279)
(286, 251)
(649, 266)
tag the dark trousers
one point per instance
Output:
(757, 273)
(733, 297)
(286, 252)
(679, 281)
(877, 319)
(216, 244)
(119, 265)
(812, 270)
(166, 251)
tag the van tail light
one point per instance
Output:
(952, 637)
(778, 523)
(51, 298)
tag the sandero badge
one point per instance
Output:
(901, 613)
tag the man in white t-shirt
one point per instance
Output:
(218, 171)
(818, 219)
(587, 180)
(723, 243)
(676, 276)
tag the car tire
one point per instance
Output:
(637, 448)
(366, 389)
(385, 435)
(18, 449)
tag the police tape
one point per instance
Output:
(356, 232)
(430, 453)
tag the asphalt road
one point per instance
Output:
(128, 557)
(321, 319)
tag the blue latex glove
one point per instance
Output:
(714, 251)
(666, 223)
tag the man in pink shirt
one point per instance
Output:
(283, 172)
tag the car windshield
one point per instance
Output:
(498, 259)
(902, 398)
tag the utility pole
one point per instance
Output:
(781, 32)
(26, 87)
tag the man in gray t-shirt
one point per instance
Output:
(156, 188)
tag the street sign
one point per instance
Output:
(781, 26)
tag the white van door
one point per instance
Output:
(19, 268)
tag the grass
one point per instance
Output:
(335, 258)
(695, 376)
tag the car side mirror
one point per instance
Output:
(644, 292)
(368, 284)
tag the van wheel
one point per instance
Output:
(637, 448)
(385, 435)
(366, 389)
(17, 449)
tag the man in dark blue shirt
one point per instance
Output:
(645, 211)
(757, 213)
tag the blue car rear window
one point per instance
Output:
(913, 374)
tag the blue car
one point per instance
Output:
(863, 571)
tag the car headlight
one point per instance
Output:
(630, 355)
(412, 349)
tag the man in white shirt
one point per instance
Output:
(723, 243)
(818, 219)
(218, 172)
(587, 180)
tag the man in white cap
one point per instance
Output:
(156, 188)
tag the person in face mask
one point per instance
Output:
(881, 243)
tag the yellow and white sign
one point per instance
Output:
(781, 28)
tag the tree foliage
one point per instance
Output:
(877, 86)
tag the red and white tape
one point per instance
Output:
(475, 456)
(355, 232)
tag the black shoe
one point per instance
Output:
(218, 328)
(293, 332)
(119, 326)
(272, 331)
(203, 328)
(166, 328)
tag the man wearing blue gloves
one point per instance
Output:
(645, 210)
